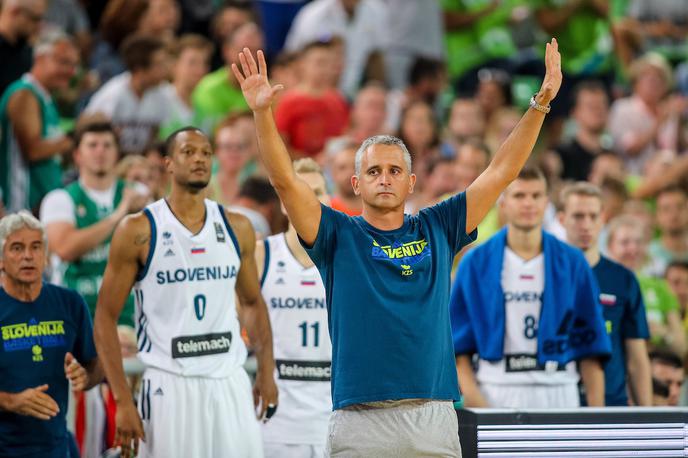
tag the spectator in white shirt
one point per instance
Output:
(135, 101)
(363, 26)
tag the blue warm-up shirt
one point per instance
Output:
(624, 315)
(35, 338)
(388, 303)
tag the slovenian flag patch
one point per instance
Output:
(197, 250)
(607, 299)
(307, 282)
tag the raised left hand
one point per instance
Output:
(265, 393)
(552, 82)
(75, 372)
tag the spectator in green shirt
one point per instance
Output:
(218, 94)
(627, 245)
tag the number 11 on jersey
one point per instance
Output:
(304, 333)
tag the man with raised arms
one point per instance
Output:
(387, 277)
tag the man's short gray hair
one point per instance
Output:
(47, 40)
(382, 140)
(16, 221)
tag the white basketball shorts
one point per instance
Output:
(198, 417)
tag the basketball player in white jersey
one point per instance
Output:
(295, 297)
(186, 256)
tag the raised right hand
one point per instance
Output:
(254, 82)
(34, 402)
(129, 429)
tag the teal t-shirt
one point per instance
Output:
(388, 303)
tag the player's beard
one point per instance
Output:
(197, 185)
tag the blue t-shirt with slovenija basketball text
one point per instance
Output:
(35, 338)
(624, 316)
(388, 303)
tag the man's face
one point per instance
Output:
(582, 219)
(672, 212)
(591, 110)
(370, 109)
(28, 18)
(677, 278)
(466, 120)
(524, 203)
(442, 180)
(246, 36)
(470, 163)
(627, 246)
(316, 63)
(191, 66)
(342, 169)
(159, 69)
(229, 20)
(191, 160)
(650, 85)
(384, 181)
(418, 125)
(97, 153)
(59, 65)
(23, 256)
(231, 148)
(670, 376)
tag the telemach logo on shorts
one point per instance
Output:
(206, 344)
(305, 371)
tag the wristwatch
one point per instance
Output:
(533, 104)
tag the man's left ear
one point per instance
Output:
(412, 183)
(354, 185)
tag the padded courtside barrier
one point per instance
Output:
(585, 432)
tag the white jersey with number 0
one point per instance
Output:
(295, 297)
(186, 318)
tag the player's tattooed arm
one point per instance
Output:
(254, 315)
(302, 206)
(128, 251)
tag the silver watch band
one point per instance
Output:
(536, 106)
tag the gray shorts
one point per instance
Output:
(400, 429)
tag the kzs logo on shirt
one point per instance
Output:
(405, 255)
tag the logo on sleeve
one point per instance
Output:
(219, 233)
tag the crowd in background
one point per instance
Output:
(451, 78)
